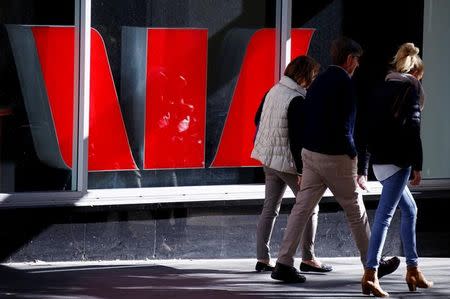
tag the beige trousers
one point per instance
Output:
(276, 182)
(339, 174)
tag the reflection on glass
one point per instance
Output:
(176, 73)
(31, 157)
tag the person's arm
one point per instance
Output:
(361, 142)
(361, 137)
(295, 131)
(412, 120)
(348, 115)
(259, 111)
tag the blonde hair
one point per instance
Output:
(407, 59)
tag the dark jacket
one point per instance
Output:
(393, 123)
(295, 127)
(331, 110)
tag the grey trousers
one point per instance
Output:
(338, 173)
(276, 183)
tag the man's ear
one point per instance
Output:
(349, 59)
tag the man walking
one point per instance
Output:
(330, 159)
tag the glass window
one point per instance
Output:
(377, 28)
(436, 124)
(36, 95)
(174, 89)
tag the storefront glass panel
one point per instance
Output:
(436, 120)
(37, 67)
(175, 85)
(174, 89)
(377, 28)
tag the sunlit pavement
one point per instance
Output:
(202, 279)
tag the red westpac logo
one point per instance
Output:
(163, 96)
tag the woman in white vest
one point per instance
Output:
(273, 149)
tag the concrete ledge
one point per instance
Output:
(161, 195)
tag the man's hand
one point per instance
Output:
(362, 180)
(416, 178)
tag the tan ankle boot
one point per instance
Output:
(415, 279)
(370, 284)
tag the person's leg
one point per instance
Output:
(309, 235)
(311, 191)
(390, 196)
(414, 277)
(408, 208)
(340, 177)
(274, 191)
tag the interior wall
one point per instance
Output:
(436, 120)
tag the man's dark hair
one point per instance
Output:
(342, 47)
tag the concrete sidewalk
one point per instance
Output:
(202, 279)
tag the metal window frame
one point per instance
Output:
(82, 95)
(283, 36)
(82, 197)
(80, 123)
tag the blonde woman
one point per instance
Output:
(395, 150)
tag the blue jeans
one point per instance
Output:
(395, 193)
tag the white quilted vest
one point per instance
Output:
(272, 143)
